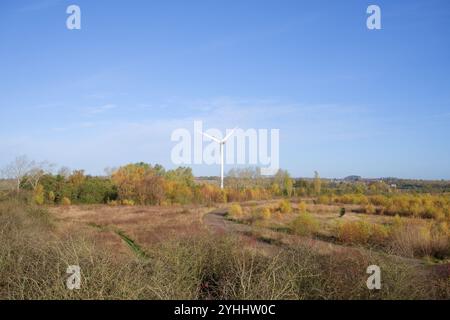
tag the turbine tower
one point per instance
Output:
(221, 143)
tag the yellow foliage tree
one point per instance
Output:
(317, 183)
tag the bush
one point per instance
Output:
(302, 207)
(352, 199)
(66, 201)
(304, 225)
(113, 203)
(264, 213)
(38, 195)
(285, 206)
(424, 206)
(379, 235)
(51, 197)
(363, 233)
(379, 200)
(235, 211)
(127, 202)
(354, 232)
(324, 199)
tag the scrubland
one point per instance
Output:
(174, 255)
(147, 233)
(398, 235)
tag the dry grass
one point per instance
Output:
(412, 238)
(146, 224)
(34, 259)
(34, 254)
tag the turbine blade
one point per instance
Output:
(229, 135)
(210, 137)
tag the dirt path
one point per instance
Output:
(271, 242)
(266, 239)
(216, 221)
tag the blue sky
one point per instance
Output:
(347, 100)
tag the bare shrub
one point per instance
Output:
(411, 239)
(34, 258)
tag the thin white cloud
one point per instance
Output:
(101, 109)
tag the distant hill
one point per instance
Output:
(353, 178)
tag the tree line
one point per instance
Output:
(140, 183)
(145, 184)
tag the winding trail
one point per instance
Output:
(216, 221)
(274, 241)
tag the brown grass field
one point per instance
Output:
(199, 252)
(146, 225)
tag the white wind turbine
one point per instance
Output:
(222, 143)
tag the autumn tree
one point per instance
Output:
(150, 189)
(317, 183)
(77, 178)
(284, 182)
(288, 184)
(127, 179)
(143, 183)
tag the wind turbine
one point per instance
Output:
(221, 143)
